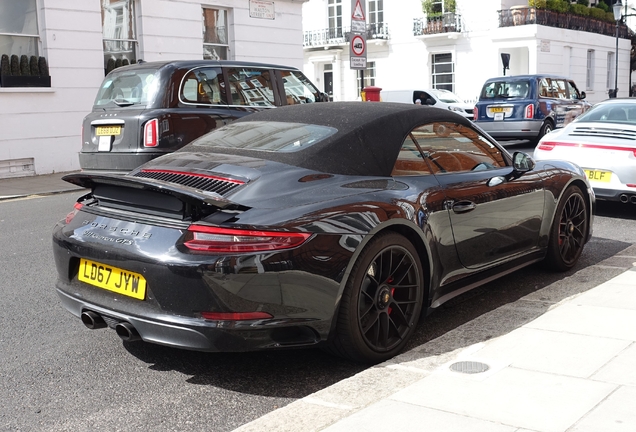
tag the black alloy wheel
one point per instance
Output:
(569, 230)
(382, 301)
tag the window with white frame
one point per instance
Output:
(376, 15)
(334, 11)
(611, 68)
(118, 33)
(19, 33)
(589, 77)
(443, 71)
(369, 75)
(215, 40)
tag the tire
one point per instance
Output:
(546, 128)
(569, 230)
(381, 302)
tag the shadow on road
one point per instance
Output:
(297, 373)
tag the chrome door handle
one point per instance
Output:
(464, 206)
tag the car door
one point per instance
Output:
(494, 212)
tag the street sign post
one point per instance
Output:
(358, 38)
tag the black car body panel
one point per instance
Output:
(342, 186)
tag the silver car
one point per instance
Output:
(602, 141)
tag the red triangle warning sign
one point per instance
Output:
(358, 14)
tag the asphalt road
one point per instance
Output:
(56, 375)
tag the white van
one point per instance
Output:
(433, 97)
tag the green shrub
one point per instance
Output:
(539, 4)
(578, 9)
(43, 67)
(602, 6)
(24, 65)
(34, 69)
(5, 69)
(427, 7)
(585, 3)
(597, 13)
(15, 65)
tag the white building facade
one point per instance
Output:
(40, 127)
(459, 50)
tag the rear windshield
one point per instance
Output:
(276, 137)
(505, 89)
(610, 113)
(126, 88)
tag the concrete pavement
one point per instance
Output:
(564, 362)
(46, 184)
(559, 359)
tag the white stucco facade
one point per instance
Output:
(40, 127)
(403, 61)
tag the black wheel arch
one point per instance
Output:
(413, 234)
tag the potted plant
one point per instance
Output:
(24, 71)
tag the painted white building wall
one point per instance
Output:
(404, 62)
(41, 127)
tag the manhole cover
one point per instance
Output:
(469, 367)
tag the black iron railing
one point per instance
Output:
(342, 35)
(447, 23)
(529, 15)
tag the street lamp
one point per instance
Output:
(618, 9)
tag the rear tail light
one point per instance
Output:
(209, 239)
(151, 133)
(529, 114)
(69, 217)
(475, 113)
(546, 145)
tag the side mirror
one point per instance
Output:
(521, 162)
(583, 95)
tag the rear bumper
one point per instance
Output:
(525, 129)
(624, 196)
(113, 163)
(198, 334)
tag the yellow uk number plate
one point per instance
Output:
(497, 109)
(599, 176)
(107, 130)
(112, 279)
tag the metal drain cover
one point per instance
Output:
(469, 367)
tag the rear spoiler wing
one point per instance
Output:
(183, 193)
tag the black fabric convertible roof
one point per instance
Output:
(369, 137)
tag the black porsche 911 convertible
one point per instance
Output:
(336, 225)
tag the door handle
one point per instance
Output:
(464, 206)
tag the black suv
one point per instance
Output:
(148, 109)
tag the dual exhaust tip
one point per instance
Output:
(124, 330)
(628, 198)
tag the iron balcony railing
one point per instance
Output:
(529, 15)
(342, 35)
(447, 23)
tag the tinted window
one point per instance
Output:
(298, 89)
(129, 87)
(265, 136)
(249, 86)
(506, 88)
(203, 86)
(610, 113)
(450, 147)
